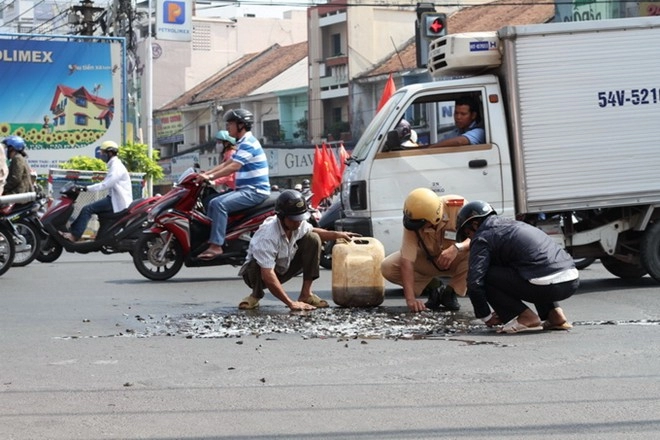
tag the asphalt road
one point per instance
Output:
(91, 350)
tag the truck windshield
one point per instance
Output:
(365, 143)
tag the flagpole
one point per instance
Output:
(150, 91)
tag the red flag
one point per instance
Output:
(318, 178)
(343, 157)
(390, 88)
(330, 171)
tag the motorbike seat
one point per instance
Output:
(120, 214)
(267, 204)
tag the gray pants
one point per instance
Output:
(306, 261)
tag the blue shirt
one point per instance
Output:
(254, 165)
(474, 134)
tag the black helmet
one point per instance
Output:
(469, 212)
(240, 116)
(291, 204)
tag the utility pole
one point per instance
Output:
(86, 11)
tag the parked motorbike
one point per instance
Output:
(181, 229)
(118, 232)
(10, 237)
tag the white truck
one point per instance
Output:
(571, 113)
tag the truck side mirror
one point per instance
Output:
(393, 142)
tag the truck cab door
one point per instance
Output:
(472, 171)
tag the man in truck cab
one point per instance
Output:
(512, 262)
(469, 128)
(429, 249)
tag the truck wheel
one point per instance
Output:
(650, 250)
(155, 262)
(622, 269)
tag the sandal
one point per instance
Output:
(514, 326)
(315, 301)
(248, 303)
(547, 325)
(209, 254)
(68, 236)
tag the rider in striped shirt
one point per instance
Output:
(252, 182)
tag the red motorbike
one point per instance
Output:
(180, 231)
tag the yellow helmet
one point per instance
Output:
(422, 205)
(110, 146)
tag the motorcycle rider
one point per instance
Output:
(306, 188)
(120, 194)
(284, 246)
(18, 178)
(252, 181)
(3, 166)
(228, 145)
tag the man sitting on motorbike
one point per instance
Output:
(118, 184)
(284, 246)
(252, 181)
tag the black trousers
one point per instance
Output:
(506, 291)
(306, 261)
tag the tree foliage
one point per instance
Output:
(134, 156)
(85, 163)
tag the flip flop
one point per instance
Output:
(209, 255)
(248, 303)
(68, 236)
(514, 326)
(317, 302)
(563, 326)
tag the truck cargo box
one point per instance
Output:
(584, 103)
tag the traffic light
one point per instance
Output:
(434, 25)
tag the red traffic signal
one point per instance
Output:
(434, 25)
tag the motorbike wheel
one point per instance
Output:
(7, 250)
(152, 262)
(583, 263)
(32, 238)
(326, 254)
(622, 269)
(50, 250)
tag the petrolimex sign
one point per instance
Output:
(174, 20)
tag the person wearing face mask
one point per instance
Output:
(120, 193)
(286, 245)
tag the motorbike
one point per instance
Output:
(118, 232)
(327, 221)
(180, 231)
(10, 237)
(30, 232)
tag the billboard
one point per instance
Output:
(174, 20)
(64, 97)
(586, 10)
